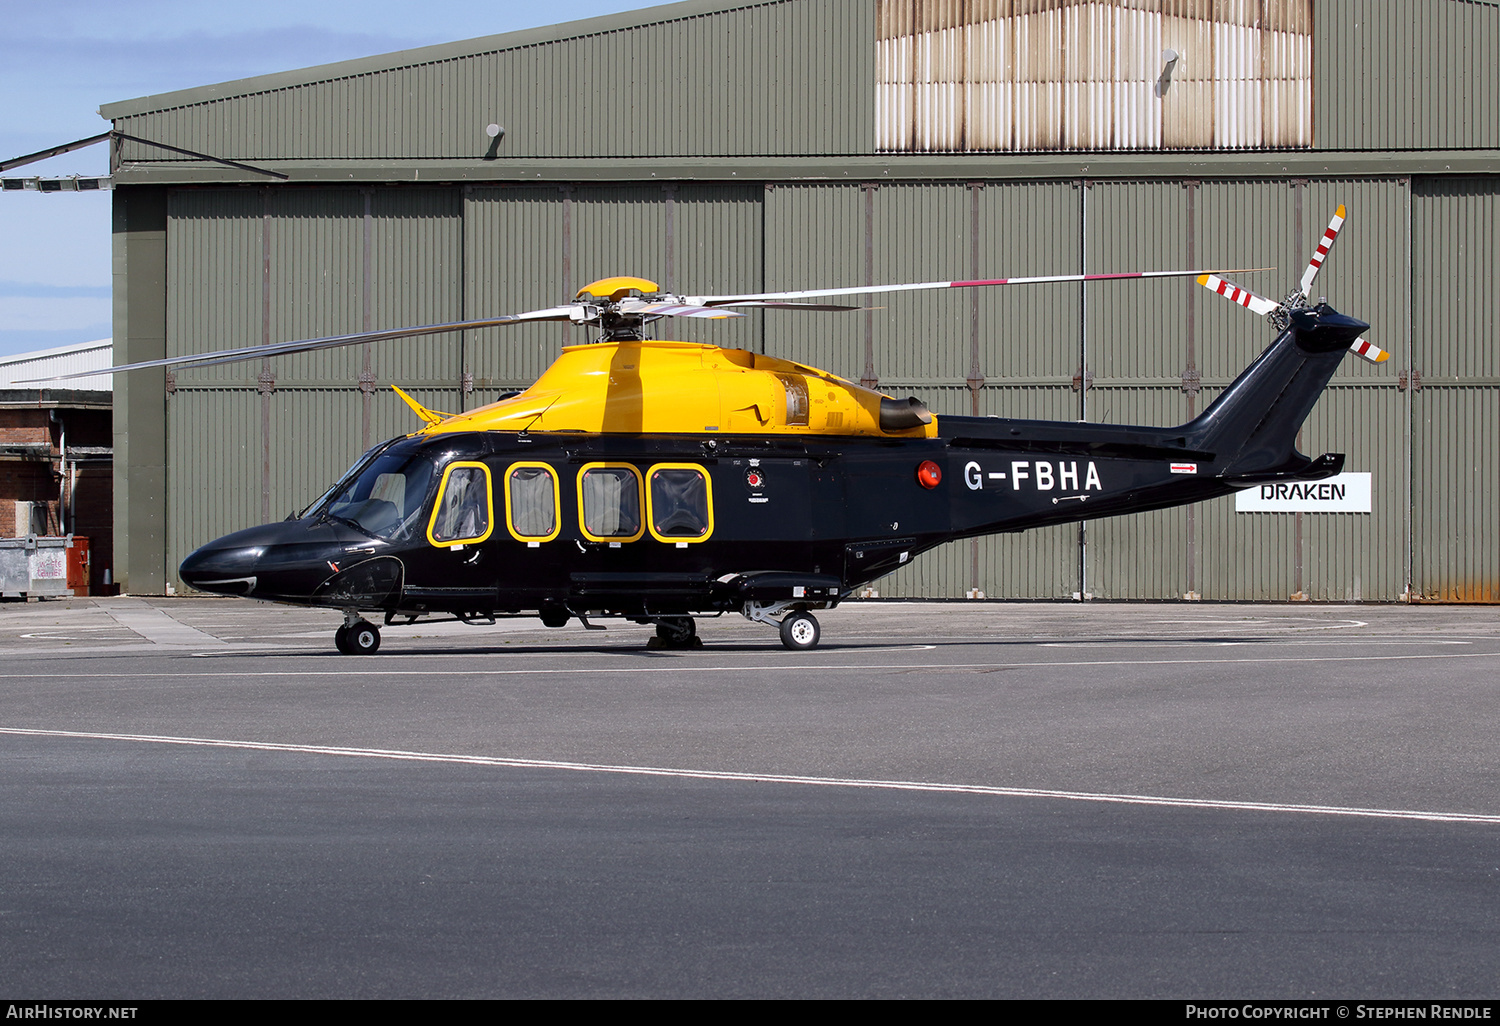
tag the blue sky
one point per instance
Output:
(60, 63)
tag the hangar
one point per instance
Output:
(717, 146)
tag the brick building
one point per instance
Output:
(56, 472)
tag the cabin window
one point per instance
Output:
(680, 503)
(609, 502)
(465, 510)
(531, 496)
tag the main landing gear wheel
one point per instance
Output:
(676, 632)
(362, 638)
(799, 631)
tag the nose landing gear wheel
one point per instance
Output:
(799, 631)
(362, 638)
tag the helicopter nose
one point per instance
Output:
(223, 569)
(284, 561)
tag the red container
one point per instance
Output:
(78, 565)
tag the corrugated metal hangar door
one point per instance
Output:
(1127, 352)
(1454, 389)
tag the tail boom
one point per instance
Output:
(1019, 475)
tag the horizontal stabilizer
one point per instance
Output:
(1300, 469)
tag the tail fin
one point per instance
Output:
(1253, 425)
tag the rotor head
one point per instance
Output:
(618, 288)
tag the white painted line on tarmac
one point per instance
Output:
(1247, 642)
(773, 778)
(1121, 638)
(1290, 623)
(365, 670)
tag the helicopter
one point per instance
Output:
(657, 481)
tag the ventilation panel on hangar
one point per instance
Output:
(1093, 75)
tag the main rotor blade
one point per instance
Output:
(1321, 253)
(865, 290)
(769, 304)
(307, 345)
(1235, 294)
(636, 306)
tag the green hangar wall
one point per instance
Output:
(719, 147)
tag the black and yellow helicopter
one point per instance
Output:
(654, 480)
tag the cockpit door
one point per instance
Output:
(456, 565)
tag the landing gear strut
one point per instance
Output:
(799, 628)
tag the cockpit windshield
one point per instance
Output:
(344, 479)
(386, 497)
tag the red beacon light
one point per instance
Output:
(929, 474)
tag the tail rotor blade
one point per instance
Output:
(1321, 253)
(1366, 350)
(1235, 294)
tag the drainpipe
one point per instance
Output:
(62, 467)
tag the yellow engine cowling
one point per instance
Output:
(684, 388)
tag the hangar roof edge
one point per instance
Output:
(433, 54)
(986, 166)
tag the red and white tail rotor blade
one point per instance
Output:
(1236, 294)
(1366, 350)
(1321, 253)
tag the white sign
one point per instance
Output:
(1342, 493)
(49, 564)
